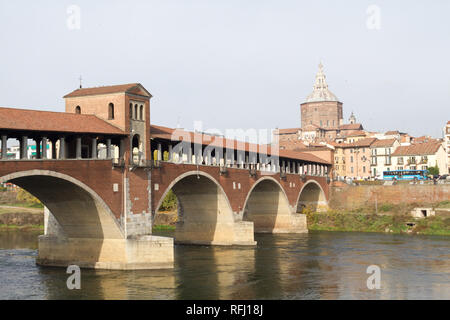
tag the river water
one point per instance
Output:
(319, 265)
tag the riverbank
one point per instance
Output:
(16, 218)
(384, 223)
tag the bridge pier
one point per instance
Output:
(141, 252)
(146, 252)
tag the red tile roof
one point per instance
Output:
(383, 143)
(367, 142)
(288, 131)
(205, 139)
(418, 149)
(48, 121)
(392, 132)
(353, 133)
(351, 126)
(135, 88)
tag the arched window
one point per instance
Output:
(78, 110)
(135, 147)
(131, 111)
(111, 111)
(141, 114)
(136, 111)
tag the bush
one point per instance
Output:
(433, 170)
(386, 207)
(169, 203)
(28, 198)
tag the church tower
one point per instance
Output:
(321, 108)
(352, 119)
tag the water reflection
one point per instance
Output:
(320, 265)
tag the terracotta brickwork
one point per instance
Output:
(352, 197)
(237, 183)
(324, 114)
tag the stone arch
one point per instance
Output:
(311, 196)
(204, 211)
(267, 206)
(78, 209)
(136, 148)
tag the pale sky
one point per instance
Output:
(235, 64)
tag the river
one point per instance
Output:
(318, 265)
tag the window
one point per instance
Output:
(351, 160)
(141, 113)
(131, 111)
(78, 110)
(364, 169)
(321, 123)
(351, 169)
(135, 111)
(111, 111)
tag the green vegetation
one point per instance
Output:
(163, 228)
(26, 199)
(16, 227)
(340, 221)
(433, 170)
(169, 203)
(444, 204)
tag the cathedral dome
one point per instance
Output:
(321, 91)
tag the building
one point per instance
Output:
(420, 156)
(321, 108)
(447, 144)
(126, 107)
(381, 156)
(352, 160)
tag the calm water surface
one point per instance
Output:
(320, 265)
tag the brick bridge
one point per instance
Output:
(102, 172)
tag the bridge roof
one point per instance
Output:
(205, 139)
(49, 121)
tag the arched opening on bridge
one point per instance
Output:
(78, 110)
(79, 212)
(311, 198)
(204, 214)
(268, 207)
(136, 149)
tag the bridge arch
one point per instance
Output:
(204, 211)
(78, 209)
(311, 196)
(267, 206)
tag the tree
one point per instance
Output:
(28, 198)
(433, 170)
(169, 203)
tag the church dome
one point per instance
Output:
(321, 91)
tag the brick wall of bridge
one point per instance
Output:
(96, 174)
(169, 172)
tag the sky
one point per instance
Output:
(235, 64)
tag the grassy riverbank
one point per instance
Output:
(340, 221)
